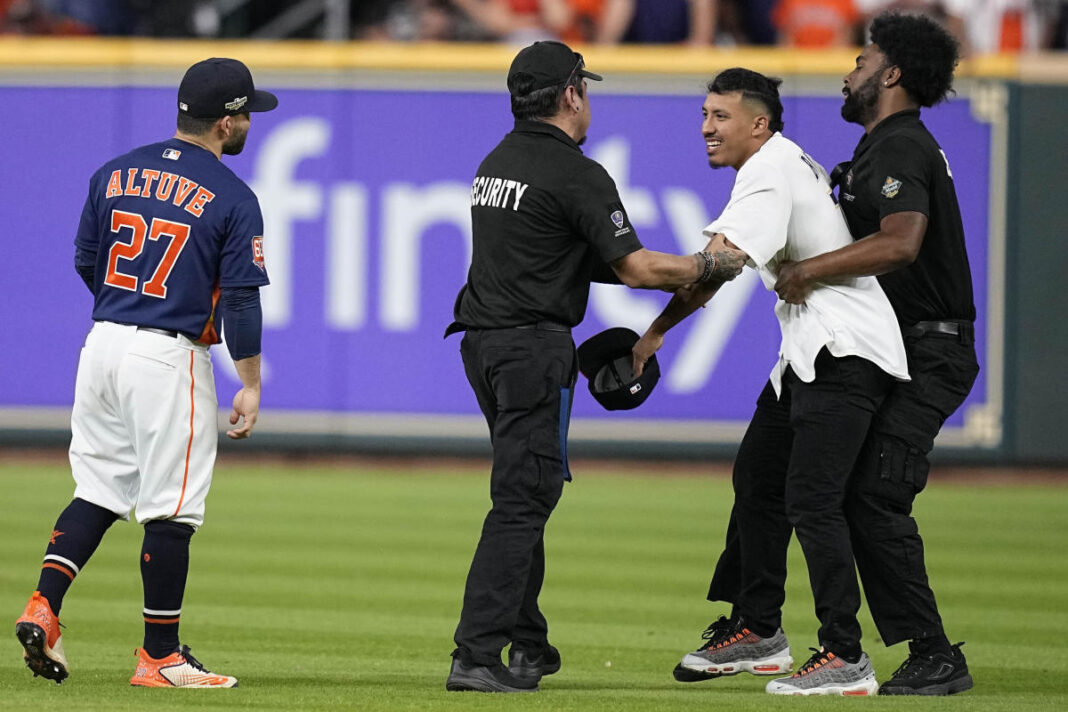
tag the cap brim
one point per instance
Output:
(262, 101)
(590, 75)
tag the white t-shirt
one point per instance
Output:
(781, 208)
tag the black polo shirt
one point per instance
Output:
(899, 167)
(545, 220)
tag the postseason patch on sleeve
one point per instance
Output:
(891, 187)
(618, 219)
(257, 253)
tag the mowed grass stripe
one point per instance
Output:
(339, 588)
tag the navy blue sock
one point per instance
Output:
(164, 566)
(75, 536)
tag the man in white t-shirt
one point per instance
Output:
(841, 351)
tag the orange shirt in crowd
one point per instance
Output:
(815, 23)
(586, 14)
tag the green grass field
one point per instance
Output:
(338, 587)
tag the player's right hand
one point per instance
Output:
(246, 406)
(645, 347)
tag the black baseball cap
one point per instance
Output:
(549, 63)
(605, 359)
(220, 87)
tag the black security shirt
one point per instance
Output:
(899, 167)
(545, 220)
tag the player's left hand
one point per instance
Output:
(793, 285)
(247, 406)
(645, 347)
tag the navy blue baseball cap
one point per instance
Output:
(549, 63)
(220, 87)
(605, 359)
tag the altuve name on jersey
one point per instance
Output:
(497, 192)
(161, 185)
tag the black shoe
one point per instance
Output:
(933, 674)
(486, 678)
(530, 666)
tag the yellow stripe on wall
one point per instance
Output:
(304, 55)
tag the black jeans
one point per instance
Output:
(790, 475)
(523, 380)
(891, 471)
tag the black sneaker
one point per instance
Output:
(530, 666)
(934, 674)
(486, 678)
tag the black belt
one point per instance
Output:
(961, 329)
(457, 327)
(161, 332)
(546, 326)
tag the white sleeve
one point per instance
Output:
(758, 214)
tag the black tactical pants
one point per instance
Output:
(790, 475)
(523, 380)
(891, 471)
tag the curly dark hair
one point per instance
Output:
(924, 51)
(754, 87)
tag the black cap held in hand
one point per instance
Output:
(605, 359)
(549, 63)
(220, 87)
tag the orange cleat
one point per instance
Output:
(179, 669)
(38, 631)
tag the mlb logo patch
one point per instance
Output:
(172, 154)
(617, 218)
(891, 187)
(257, 252)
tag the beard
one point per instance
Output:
(235, 144)
(860, 105)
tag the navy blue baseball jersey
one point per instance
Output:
(166, 226)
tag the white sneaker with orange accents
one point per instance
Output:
(827, 674)
(732, 648)
(179, 669)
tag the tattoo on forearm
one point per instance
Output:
(729, 264)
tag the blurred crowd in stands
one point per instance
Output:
(983, 26)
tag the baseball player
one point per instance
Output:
(840, 353)
(171, 245)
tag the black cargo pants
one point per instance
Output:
(891, 471)
(523, 379)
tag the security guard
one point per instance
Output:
(899, 200)
(546, 222)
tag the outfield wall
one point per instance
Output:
(364, 177)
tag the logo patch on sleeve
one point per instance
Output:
(172, 154)
(891, 187)
(257, 252)
(617, 218)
